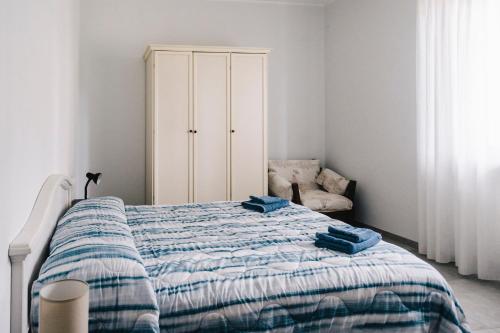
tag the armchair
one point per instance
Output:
(298, 181)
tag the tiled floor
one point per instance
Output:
(480, 299)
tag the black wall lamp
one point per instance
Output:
(94, 177)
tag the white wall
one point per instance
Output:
(370, 108)
(38, 101)
(114, 35)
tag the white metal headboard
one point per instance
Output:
(29, 249)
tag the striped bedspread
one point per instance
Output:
(220, 268)
(93, 243)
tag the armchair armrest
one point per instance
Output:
(296, 194)
(350, 190)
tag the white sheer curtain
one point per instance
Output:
(458, 58)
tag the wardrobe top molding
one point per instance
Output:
(203, 48)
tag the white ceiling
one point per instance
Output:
(284, 2)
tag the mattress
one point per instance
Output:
(217, 267)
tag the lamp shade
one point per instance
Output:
(64, 307)
(95, 177)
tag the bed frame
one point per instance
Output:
(29, 249)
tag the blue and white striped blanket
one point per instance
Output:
(93, 243)
(219, 267)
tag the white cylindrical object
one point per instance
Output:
(64, 307)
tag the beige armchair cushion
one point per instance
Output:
(279, 186)
(332, 181)
(302, 172)
(321, 201)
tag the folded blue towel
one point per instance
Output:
(265, 199)
(264, 208)
(352, 234)
(328, 241)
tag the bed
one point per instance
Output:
(217, 267)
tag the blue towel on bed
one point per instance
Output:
(265, 199)
(352, 234)
(265, 208)
(328, 241)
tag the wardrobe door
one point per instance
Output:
(211, 126)
(173, 140)
(248, 126)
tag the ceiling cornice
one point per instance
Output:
(314, 3)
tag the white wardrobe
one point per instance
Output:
(206, 123)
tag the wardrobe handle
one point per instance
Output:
(195, 131)
(232, 131)
(190, 131)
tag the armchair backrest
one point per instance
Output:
(303, 172)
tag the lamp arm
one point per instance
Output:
(87, 185)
